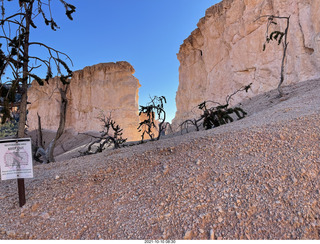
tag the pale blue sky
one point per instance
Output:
(146, 33)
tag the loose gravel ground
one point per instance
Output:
(257, 178)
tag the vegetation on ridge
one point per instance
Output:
(217, 115)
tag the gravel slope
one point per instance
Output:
(257, 178)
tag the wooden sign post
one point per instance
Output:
(16, 163)
(21, 192)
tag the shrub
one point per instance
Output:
(217, 115)
(148, 126)
(8, 129)
(111, 135)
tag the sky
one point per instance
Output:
(145, 33)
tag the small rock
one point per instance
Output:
(198, 162)
(201, 231)
(56, 177)
(211, 234)
(165, 234)
(220, 219)
(11, 233)
(69, 208)
(294, 180)
(45, 215)
(35, 207)
(219, 208)
(188, 235)
(165, 168)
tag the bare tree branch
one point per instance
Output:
(284, 43)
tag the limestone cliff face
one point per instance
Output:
(225, 51)
(108, 87)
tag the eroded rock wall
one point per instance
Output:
(107, 87)
(225, 51)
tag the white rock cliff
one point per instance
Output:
(225, 52)
(107, 87)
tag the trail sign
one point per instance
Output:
(16, 159)
(16, 163)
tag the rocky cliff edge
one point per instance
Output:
(225, 52)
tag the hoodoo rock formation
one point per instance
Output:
(107, 87)
(225, 52)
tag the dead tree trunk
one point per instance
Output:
(278, 35)
(25, 73)
(62, 123)
(40, 139)
(285, 46)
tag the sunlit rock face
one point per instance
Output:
(226, 52)
(106, 87)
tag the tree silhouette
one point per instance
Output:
(111, 134)
(280, 37)
(15, 57)
(216, 115)
(153, 108)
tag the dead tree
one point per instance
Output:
(39, 136)
(15, 56)
(148, 126)
(49, 151)
(185, 125)
(280, 37)
(63, 112)
(167, 126)
(217, 115)
(111, 134)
